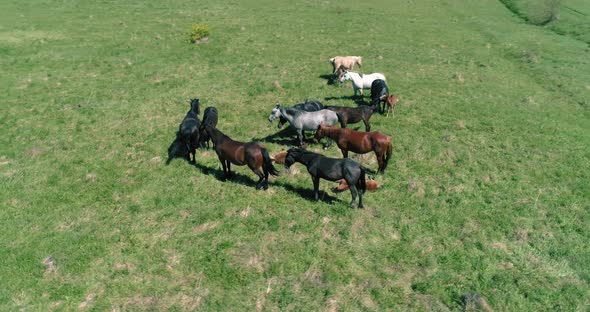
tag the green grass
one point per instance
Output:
(565, 17)
(486, 193)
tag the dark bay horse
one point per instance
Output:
(210, 117)
(359, 143)
(331, 169)
(352, 115)
(188, 132)
(252, 154)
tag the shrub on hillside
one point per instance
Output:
(537, 12)
(198, 32)
(544, 11)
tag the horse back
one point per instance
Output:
(231, 150)
(189, 126)
(333, 169)
(350, 114)
(378, 89)
(355, 141)
(309, 106)
(379, 140)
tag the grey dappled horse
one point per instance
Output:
(301, 120)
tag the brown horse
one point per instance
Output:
(391, 101)
(252, 154)
(359, 143)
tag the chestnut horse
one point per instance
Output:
(359, 143)
(252, 154)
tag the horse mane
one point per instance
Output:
(215, 131)
(291, 110)
(196, 105)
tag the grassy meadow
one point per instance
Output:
(486, 195)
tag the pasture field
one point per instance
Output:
(486, 195)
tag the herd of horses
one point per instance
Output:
(194, 133)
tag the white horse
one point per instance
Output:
(360, 82)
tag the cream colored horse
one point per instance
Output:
(347, 62)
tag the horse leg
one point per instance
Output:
(224, 167)
(300, 137)
(380, 161)
(260, 183)
(354, 192)
(228, 169)
(190, 150)
(344, 153)
(367, 125)
(361, 199)
(265, 186)
(316, 187)
(328, 143)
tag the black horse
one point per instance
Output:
(210, 118)
(352, 115)
(308, 106)
(331, 169)
(188, 132)
(379, 93)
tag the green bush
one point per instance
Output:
(537, 12)
(542, 12)
(198, 31)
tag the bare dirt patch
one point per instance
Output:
(205, 227)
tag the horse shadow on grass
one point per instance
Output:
(331, 79)
(307, 193)
(286, 136)
(235, 177)
(177, 150)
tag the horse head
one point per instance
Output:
(275, 113)
(195, 106)
(292, 155)
(345, 76)
(319, 133)
(359, 60)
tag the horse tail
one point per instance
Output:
(267, 163)
(332, 60)
(362, 181)
(388, 155)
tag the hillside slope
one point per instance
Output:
(486, 193)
